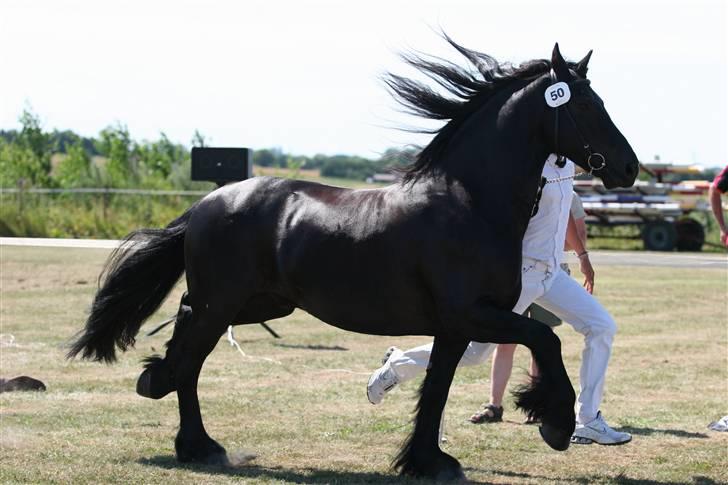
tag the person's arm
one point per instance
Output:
(580, 227)
(579, 216)
(581, 230)
(717, 207)
(576, 243)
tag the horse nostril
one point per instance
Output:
(631, 170)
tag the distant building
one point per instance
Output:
(384, 178)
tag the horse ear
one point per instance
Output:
(581, 66)
(559, 64)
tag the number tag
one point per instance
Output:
(557, 94)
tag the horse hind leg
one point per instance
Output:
(158, 379)
(263, 307)
(200, 337)
(421, 456)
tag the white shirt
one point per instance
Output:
(546, 232)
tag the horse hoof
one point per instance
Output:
(205, 451)
(451, 475)
(152, 386)
(212, 459)
(556, 438)
(217, 459)
(442, 468)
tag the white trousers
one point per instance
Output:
(563, 296)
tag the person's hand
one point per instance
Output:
(724, 238)
(586, 269)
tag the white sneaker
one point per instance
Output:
(383, 379)
(389, 353)
(598, 431)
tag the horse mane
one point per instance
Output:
(466, 90)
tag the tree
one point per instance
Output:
(264, 158)
(317, 161)
(32, 136)
(75, 169)
(17, 163)
(34, 155)
(344, 166)
(398, 157)
(159, 157)
(115, 144)
(199, 140)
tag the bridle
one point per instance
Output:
(591, 156)
(594, 160)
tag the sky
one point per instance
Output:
(305, 75)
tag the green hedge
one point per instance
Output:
(100, 216)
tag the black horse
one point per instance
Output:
(438, 254)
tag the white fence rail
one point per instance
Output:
(106, 191)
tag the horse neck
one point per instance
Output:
(500, 155)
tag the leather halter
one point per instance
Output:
(592, 156)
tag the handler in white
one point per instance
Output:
(545, 283)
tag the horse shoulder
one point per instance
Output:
(468, 260)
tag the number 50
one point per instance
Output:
(557, 93)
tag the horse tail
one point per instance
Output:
(137, 277)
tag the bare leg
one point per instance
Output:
(533, 367)
(501, 372)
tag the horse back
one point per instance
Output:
(377, 261)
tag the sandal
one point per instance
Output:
(489, 414)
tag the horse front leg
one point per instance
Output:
(420, 455)
(550, 397)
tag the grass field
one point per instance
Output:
(299, 403)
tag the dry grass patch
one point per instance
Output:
(305, 413)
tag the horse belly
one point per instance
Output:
(372, 317)
(364, 287)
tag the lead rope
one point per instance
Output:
(569, 177)
(544, 181)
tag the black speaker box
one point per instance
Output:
(221, 164)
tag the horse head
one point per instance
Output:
(579, 127)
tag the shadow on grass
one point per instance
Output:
(619, 479)
(622, 480)
(304, 475)
(697, 480)
(310, 347)
(313, 475)
(671, 432)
